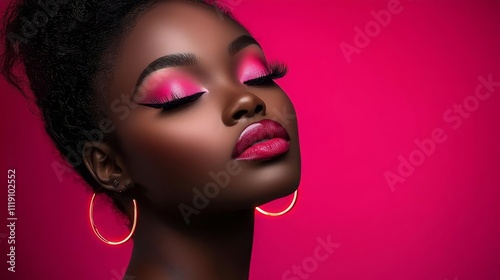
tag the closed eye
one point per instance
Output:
(174, 103)
(276, 70)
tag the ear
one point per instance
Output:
(106, 166)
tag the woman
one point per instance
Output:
(170, 108)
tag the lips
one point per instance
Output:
(264, 139)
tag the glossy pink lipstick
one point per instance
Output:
(262, 140)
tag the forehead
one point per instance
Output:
(173, 27)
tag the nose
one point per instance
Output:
(243, 105)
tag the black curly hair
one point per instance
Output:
(62, 51)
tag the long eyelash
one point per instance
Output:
(174, 102)
(276, 70)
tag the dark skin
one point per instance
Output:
(160, 156)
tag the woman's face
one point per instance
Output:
(183, 154)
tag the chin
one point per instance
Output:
(274, 181)
(291, 184)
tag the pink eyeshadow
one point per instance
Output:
(164, 87)
(251, 67)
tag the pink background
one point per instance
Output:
(356, 119)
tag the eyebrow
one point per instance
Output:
(240, 43)
(189, 59)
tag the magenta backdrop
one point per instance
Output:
(389, 208)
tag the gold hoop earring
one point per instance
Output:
(295, 195)
(98, 234)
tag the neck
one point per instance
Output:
(216, 247)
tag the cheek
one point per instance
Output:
(171, 156)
